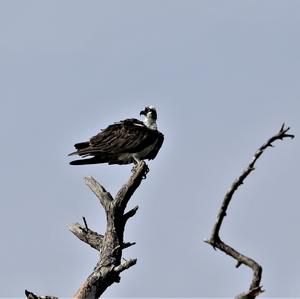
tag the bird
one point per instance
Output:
(124, 142)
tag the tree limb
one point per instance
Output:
(123, 196)
(125, 265)
(111, 245)
(87, 235)
(31, 295)
(130, 214)
(214, 240)
(104, 196)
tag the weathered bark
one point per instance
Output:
(255, 289)
(87, 235)
(108, 269)
(31, 295)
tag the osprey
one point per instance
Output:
(124, 142)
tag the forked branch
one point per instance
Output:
(215, 240)
(108, 269)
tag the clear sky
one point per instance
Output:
(224, 76)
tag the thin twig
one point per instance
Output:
(85, 224)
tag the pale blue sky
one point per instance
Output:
(224, 76)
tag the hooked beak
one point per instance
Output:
(143, 112)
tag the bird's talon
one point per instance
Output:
(146, 172)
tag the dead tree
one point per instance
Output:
(255, 288)
(111, 245)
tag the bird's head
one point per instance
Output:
(150, 117)
(149, 112)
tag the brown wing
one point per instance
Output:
(128, 136)
(159, 142)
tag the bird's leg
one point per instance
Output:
(135, 162)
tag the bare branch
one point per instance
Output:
(104, 196)
(87, 235)
(125, 265)
(108, 268)
(241, 259)
(130, 213)
(123, 246)
(215, 241)
(31, 295)
(250, 294)
(123, 196)
(239, 181)
(128, 244)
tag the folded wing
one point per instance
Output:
(118, 140)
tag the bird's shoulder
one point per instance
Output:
(129, 124)
(126, 127)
